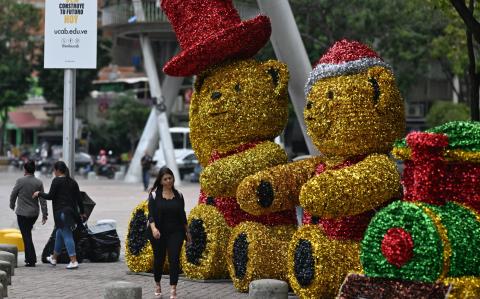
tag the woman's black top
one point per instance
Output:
(65, 196)
(167, 214)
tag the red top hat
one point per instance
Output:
(210, 32)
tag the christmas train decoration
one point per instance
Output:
(431, 238)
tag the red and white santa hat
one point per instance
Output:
(345, 57)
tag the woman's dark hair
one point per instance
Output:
(62, 167)
(29, 167)
(158, 181)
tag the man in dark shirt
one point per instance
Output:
(27, 208)
(147, 162)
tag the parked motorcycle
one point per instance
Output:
(107, 170)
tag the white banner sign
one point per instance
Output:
(70, 34)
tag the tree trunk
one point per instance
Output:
(450, 76)
(474, 76)
(3, 130)
(466, 13)
(132, 145)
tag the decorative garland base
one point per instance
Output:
(359, 286)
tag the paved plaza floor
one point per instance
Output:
(115, 200)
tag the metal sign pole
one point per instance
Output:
(69, 119)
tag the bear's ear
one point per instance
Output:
(278, 71)
(200, 79)
(197, 85)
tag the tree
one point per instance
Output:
(460, 42)
(18, 22)
(51, 80)
(396, 29)
(126, 118)
(442, 112)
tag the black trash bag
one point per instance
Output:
(82, 246)
(105, 246)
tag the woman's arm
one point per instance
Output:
(183, 214)
(151, 208)
(151, 219)
(53, 190)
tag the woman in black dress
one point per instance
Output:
(66, 201)
(168, 223)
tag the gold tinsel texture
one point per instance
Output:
(236, 103)
(317, 265)
(138, 250)
(466, 287)
(222, 177)
(351, 190)
(346, 118)
(204, 258)
(256, 251)
(280, 194)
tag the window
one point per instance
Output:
(189, 144)
(177, 140)
(415, 110)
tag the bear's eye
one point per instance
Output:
(309, 104)
(376, 89)
(237, 87)
(330, 95)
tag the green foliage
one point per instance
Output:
(400, 31)
(15, 72)
(443, 112)
(51, 80)
(451, 45)
(17, 22)
(125, 123)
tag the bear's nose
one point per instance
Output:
(216, 95)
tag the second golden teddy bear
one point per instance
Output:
(354, 112)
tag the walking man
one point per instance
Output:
(28, 208)
(147, 162)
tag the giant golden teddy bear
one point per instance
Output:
(238, 107)
(354, 112)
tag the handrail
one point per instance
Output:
(121, 12)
